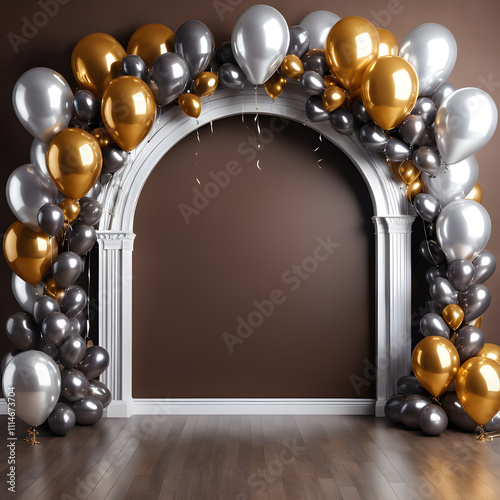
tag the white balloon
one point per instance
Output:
(318, 24)
(465, 122)
(432, 50)
(463, 229)
(452, 182)
(260, 42)
(26, 294)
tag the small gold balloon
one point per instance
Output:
(95, 61)
(435, 362)
(477, 322)
(128, 111)
(351, 45)
(150, 41)
(51, 288)
(388, 45)
(70, 208)
(476, 193)
(331, 81)
(333, 98)
(416, 187)
(408, 171)
(275, 85)
(205, 84)
(292, 66)
(453, 315)
(28, 253)
(491, 351)
(102, 137)
(190, 104)
(478, 388)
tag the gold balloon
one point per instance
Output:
(74, 162)
(389, 90)
(333, 98)
(292, 66)
(128, 111)
(453, 314)
(477, 322)
(408, 171)
(435, 362)
(491, 351)
(102, 136)
(190, 104)
(51, 288)
(205, 84)
(70, 208)
(476, 193)
(95, 61)
(28, 253)
(413, 189)
(275, 85)
(150, 41)
(388, 45)
(478, 388)
(351, 45)
(331, 81)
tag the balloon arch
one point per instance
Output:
(387, 108)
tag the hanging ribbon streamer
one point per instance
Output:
(87, 263)
(486, 436)
(317, 149)
(197, 151)
(257, 125)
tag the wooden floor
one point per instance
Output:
(251, 457)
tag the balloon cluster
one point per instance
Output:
(398, 102)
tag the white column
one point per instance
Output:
(115, 316)
(393, 303)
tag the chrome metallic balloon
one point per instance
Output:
(38, 152)
(79, 323)
(359, 111)
(463, 229)
(82, 238)
(22, 330)
(442, 92)
(85, 105)
(55, 329)
(73, 301)
(428, 138)
(225, 54)
(442, 291)
(397, 150)
(434, 324)
(426, 206)
(74, 385)
(392, 408)
(431, 252)
(113, 158)
(408, 384)
(196, 44)
(465, 122)
(25, 294)
(43, 307)
(461, 273)
(232, 76)
(373, 137)
(493, 425)
(342, 121)
(475, 301)
(426, 109)
(95, 361)
(43, 102)
(62, 419)
(456, 414)
(312, 83)
(427, 160)
(50, 219)
(315, 111)
(435, 272)
(36, 380)
(7, 357)
(299, 41)
(432, 306)
(99, 391)
(485, 264)
(133, 65)
(88, 411)
(315, 60)
(66, 268)
(411, 129)
(411, 408)
(433, 420)
(432, 51)
(318, 24)
(52, 352)
(260, 40)
(94, 191)
(469, 340)
(72, 350)
(90, 211)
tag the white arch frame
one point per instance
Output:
(115, 236)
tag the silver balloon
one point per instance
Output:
(408, 384)
(55, 329)
(461, 273)
(342, 121)
(484, 264)
(411, 408)
(426, 206)
(315, 111)
(433, 420)
(493, 425)
(232, 76)
(373, 137)
(299, 41)
(43, 102)
(43, 307)
(50, 218)
(22, 330)
(431, 252)
(433, 324)
(359, 111)
(38, 152)
(442, 92)
(442, 291)
(465, 122)
(7, 357)
(52, 352)
(95, 190)
(79, 324)
(133, 65)
(428, 138)
(312, 83)
(37, 382)
(469, 340)
(225, 54)
(62, 419)
(453, 182)
(27, 191)
(95, 361)
(72, 350)
(86, 106)
(435, 272)
(397, 150)
(88, 411)
(99, 391)
(73, 301)
(456, 414)
(168, 77)
(260, 41)
(432, 50)
(25, 294)
(426, 109)
(81, 239)
(90, 211)
(74, 385)
(411, 129)
(315, 60)
(66, 269)
(433, 307)
(392, 408)
(196, 44)
(318, 24)
(463, 229)
(113, 158)
(427, 160)
(475, 301)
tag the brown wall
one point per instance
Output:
(474, 25)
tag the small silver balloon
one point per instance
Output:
(43, 307)
(312, 83)
(431, 252)
(74, 384)
(456, 414)
(484, 264)
(411, 129)
(86, 106)
(79, 323)
(408, 384)
(38, 152)
(315, 111)
(95, 361)
(397, 150)
(88, 411)
(425, 109)
(22, 330)
(410, 410)
(55, 329)
(475, 301)
(433, 307)
(442, 92)
(62, 419)
(315, 60)
(232, 76)
(318, 24)
(426, 207)
(373, 137)
(469, 340)
(359, 111)
(392, 408)
(50, 218)
(90, 211)
(433, 324)
(81, 239)
(50, 351)
(428, 138)
(225, 54)
(72, 351)
(342, 121)
(427, 160)
(99, 391)
(66, 269)
(461, 273)
(299, 41)
(113, 158)
(73, 301)
(25, 293)
(442, 291)
(435, 272)
(133, 65)
(433, 420)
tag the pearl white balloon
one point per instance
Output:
(463, 229)
(465, 122)
(318, 24)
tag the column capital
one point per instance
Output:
(393, 224)
(114, 240)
